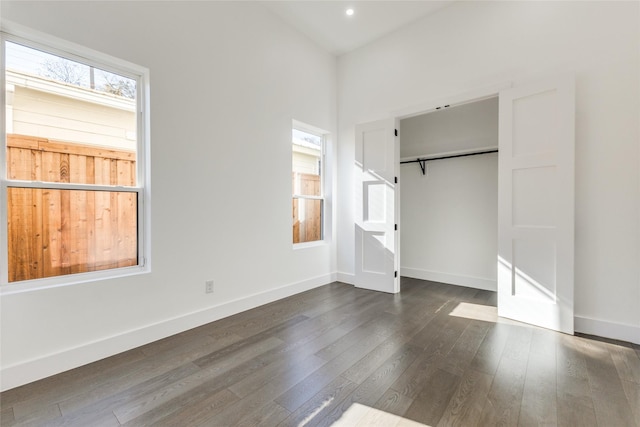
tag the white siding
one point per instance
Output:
(47, 115)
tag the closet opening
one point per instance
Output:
(449, 195)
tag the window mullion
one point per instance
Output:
(71, 186)
(299, 196)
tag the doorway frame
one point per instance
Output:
(430, 106)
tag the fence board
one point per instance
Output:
(65, 235)
(51, 167)
(307, 213)
(45, 145)
(91, 214)
(77, 216)
(37, 267)
(19, 164)
(126, 242)
(78, 232)
(55, 232)
(296, 222)
(51, 233)
(18, 229)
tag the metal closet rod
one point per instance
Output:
(424, 161)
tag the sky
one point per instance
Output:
(32, 61)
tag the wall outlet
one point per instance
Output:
(208, 287)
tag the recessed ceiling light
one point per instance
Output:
(350, 12)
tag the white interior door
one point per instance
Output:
(536, 204)
(377, 159)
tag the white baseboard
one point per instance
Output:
(585, 325)
(345, 278)
(606, 329)
(55, 363)
(35, 369)
(452, 279)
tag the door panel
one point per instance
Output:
(376, 243)
(536, 204)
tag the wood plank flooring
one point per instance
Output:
(433, 355)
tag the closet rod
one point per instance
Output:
(424, 161)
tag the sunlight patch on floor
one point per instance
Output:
(316, 412)
(363, 416)
(485, 313)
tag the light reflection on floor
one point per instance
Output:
(315, 412)
(485, 313)
(363, 416)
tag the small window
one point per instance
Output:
(73, 172)
(307, 184)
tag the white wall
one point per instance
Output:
(472, 126)
(223, 96)
(472, 45)
(449, 216)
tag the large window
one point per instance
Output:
(73, 167)
(307, 183)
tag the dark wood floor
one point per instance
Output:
(337, 355)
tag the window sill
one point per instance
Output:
(70, 279)
(314, 244)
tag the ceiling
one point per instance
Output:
(328, 25)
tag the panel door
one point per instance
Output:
(536, 204)
(376, 244)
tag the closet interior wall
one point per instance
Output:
(449, 214)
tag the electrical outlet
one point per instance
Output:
(208, 287)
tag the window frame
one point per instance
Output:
(11, 32)
(325, 135)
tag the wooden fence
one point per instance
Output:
(307, 228)
(57, 232)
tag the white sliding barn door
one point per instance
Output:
(536, 204)
(377, 158)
